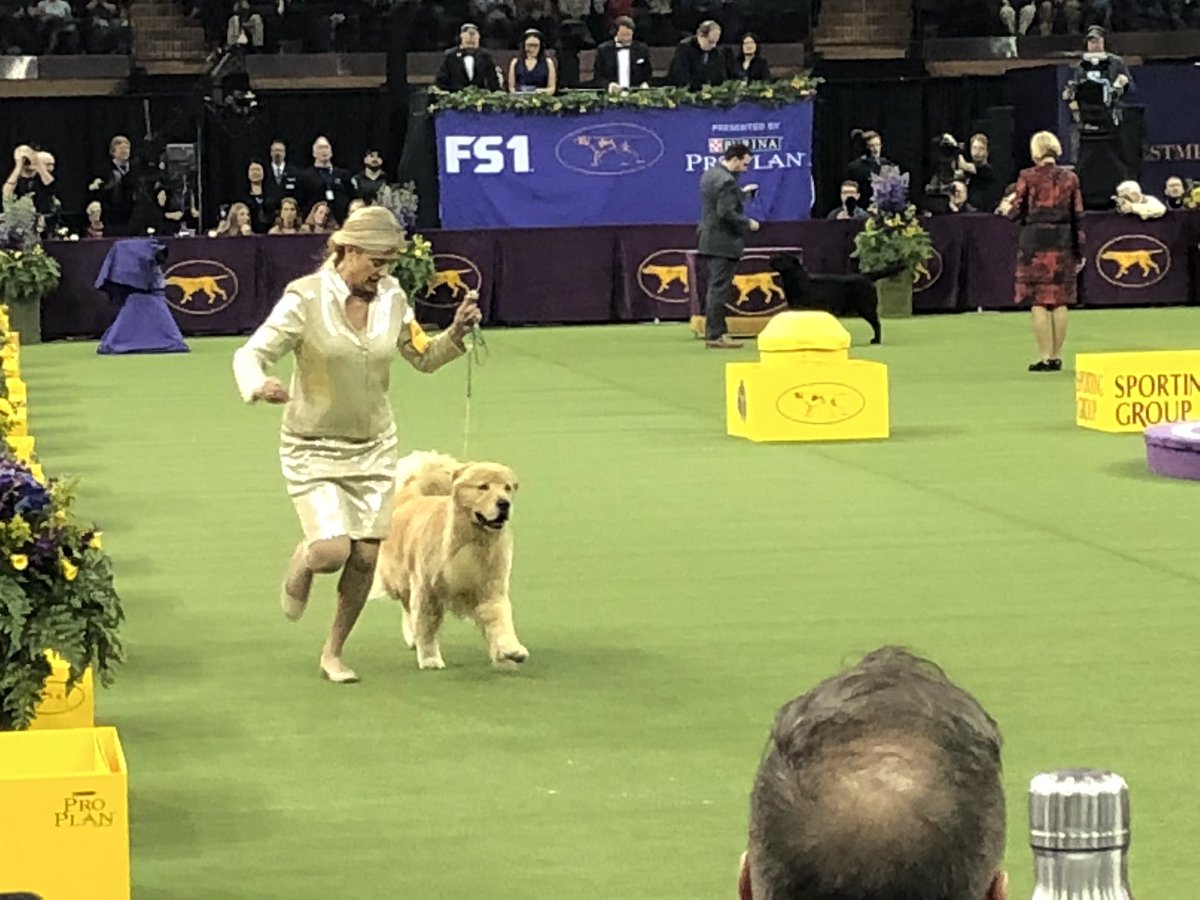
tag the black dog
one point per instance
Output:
(841, 295)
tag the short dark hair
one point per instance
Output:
(882, 781)
(624, 22)
(736, 151)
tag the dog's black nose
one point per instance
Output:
(503, 505)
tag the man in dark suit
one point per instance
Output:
(280, 176)
(115, 191)
(722, 232)
(623, 63)
(699, 61)
(468, 65)
(324, 181)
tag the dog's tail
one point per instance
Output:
(886, 272)
(425, 474)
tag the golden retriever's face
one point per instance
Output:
(485, 491)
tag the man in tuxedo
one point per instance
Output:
(698, 60)
(722, 233)
(324, 181)
(468, 65)
(281, 177)
(623, 63)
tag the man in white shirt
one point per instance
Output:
(623, 63)
(468, 64)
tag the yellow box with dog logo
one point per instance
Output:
(1128, 392)
(64, 832)
(60, 708)
(805, 387)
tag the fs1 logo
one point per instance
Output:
(488, 154)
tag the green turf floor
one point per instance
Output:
(674, 587)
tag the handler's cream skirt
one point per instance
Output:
(341, 487)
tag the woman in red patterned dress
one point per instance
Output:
(1048, 204)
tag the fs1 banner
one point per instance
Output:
(617, 167)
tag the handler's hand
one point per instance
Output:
(273, 391)
(466, 317)
(753, 224)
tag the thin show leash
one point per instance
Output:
(477, 352)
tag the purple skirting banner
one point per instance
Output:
(551, 276)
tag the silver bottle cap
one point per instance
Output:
(1078, 810)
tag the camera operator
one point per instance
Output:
(947, 155)
(983, 188)
(850, 207)
(1102, 68)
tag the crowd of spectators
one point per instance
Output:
(44, 27)
(997, 18)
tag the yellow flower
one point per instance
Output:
(70, 570)
(95, 543)
(60, 517)
(19, 561)
(417, 253)
(768, 93)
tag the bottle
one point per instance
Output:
(1079, 832)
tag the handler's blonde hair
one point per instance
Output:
(1044, 145)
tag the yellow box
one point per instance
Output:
(22, 448)
(59, 709)
(805, 387)
(1128, 392)
(64, 832)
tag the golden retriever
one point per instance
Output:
(450, 549)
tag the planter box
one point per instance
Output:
(64, 834)
(59, 709)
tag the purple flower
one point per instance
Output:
(20, 492)
(890, 190)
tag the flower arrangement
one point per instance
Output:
(403, 202)
(27, 272)
(892, 238)
(414, 267)
(802, 86)
(56, 593)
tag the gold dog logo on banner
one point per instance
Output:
(455, 276)
(757, 289)
(928, 273)
(1134, 261)
(820, 403)
(663, 276)
(200, 287)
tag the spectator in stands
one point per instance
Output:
(749, 64)
(623, 63)
(882, 781)
(325, 182)
(245, 27)
(983, 189)
(257, 199)
(958, 202)
(698, 61)
(532, 71)
(1014, 22)
(59, 28)
(320, 220)
(236, 224)
(108, 28)
(288, 220)
(496, 18)
(537, 15)
(366, 184)
(468, 65)
(850, 207)
(281, 176)
(115, 190)
(869, 163)
(32, 174)
(1132, 202)
(95, 227)
(1173, 192)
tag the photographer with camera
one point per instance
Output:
(1104, 80)
(850, 207)
(33, 173)
(947, 157)
(983, 188)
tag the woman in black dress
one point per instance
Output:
(748, 65)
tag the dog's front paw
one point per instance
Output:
(430, 660)
(508, 656)
(876, 340)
